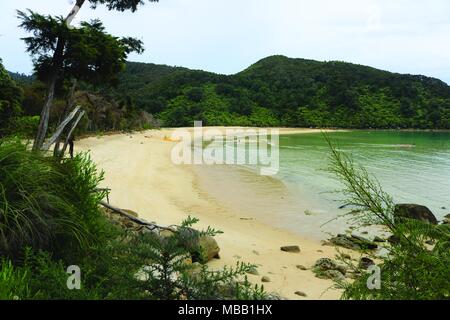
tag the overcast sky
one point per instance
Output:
(226, 36)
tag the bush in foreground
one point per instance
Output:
(413, 269)
(50, 219)
(46, 204)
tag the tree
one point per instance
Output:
(10, 98)
(60, 50)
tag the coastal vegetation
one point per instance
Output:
(417, 263)
(276, 91)
(280, 91)
(51, 218)
(52, 209)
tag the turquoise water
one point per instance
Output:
(414, 167)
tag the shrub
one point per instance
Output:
(46, 204)
(25, 126)
(13, 282)
(153, 268)
(411, 270)
(139, 267)
(50, 219)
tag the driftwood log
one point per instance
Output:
(201, 248)
(150, 226)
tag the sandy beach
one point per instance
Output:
(141, 176)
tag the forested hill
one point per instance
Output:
(280, 91)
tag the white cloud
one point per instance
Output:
(408, 36)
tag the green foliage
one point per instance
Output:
(130, 266)
(45, 204)
(120, 5)
(412, 270)
(88, 53)
(162, 270)
(292, 92)
(24, 127)
(10, 98)
(50, 219)
(14, 282)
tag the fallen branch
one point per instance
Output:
(148, 225)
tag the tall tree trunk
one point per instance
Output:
(45, 114)
(74, 11)
(57, 61)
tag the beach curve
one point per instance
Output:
(139, 171)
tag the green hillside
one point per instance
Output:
(280, 91)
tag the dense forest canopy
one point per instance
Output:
(276, 91)
(11, 96)
(280, 91)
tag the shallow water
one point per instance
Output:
(414, 167)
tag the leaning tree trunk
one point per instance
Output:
(57, 61)
(69, 135)
(45, 115)
(69, 104)
(60, 129)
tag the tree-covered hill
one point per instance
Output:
(276, 91)
(280, 91)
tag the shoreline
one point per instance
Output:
(142, 178)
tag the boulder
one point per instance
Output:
(353, 275)
(300, 294)
(414, 211)
(202, 248)
(378, 239)
(325, 264)
(346, 256)
(208, 249)
(265, 279)
(300, 267)
(253, 271)
(275, 296)
(352, 242)
(292, 249)
(330, 274)
(393, 239)
(365, 263)
(326, 268)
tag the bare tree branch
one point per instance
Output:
(71, 133)
(60, 129)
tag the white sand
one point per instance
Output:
(142, 177)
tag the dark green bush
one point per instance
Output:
(46, 204)
(50, 219)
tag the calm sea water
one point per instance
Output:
(414, 167)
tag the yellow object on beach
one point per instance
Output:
(166, 138)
